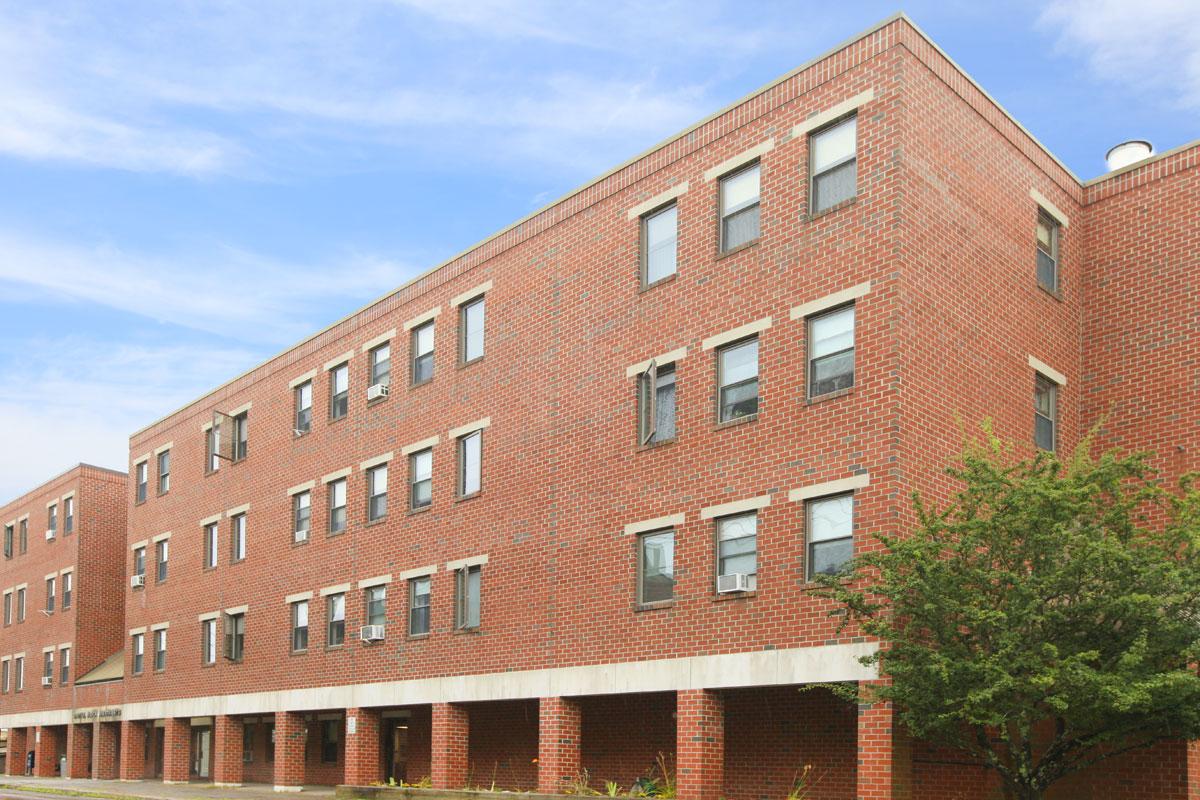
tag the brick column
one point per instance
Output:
(177, 749)
(448, 750)
(105, 744)
(227, 751)
(1193, 770)
(699, 744)
(884, 752)
(559, 739)
(364, 757)
(133, 749)
(79, 751)
(290, 738)
(45, 760)
(17, 751)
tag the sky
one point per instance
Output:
(188, 188)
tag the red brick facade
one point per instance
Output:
(568, 674)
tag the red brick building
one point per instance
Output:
(552, 509)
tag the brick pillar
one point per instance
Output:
(290, 740)
(227, 751)
(1193, 770)
(177, 749)
(45, 760)
(364, 757)
(884, 752)
(79, 751)
(17, 750)
(448, 749)
(105, 746)
(699, 744)
(559, 739)
(133, 749)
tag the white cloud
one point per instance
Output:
(226, 291)
(1152, 45)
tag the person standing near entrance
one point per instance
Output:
(29, 763)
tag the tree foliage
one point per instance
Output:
(1046, 618)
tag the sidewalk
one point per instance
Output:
(150, 789)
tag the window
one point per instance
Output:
(164, 472)
(830, 534)
(139, 652)
(420, 479)
(1045, 412)
(235, 636)
(52, 518)
(470, 330)
(737, 368)
(23, 525)
(68, 589)
(142, 473)
(299, 626)
(1047, 250)
(376, 605)
(656, 566)
(466, 598)
(68, 515)
(64, 666)
(659, 244)
(330, 729)
(160, 649)
(212, 443)
(301, 516)
(831, 352)
(270, 728)
(470, 463)
(21, 604)
(211, 539)
(422, 353)
(8, 541)
(737, 544)
(51, 592)
(19, 671)
(162, 552)
(335, 618)
(339, 391)
(418, 606)
(833, 165)
(248, 742)
(337, 506)
(238, 534)
(380, 359)
(377, 493)
(304, 407)
(139, 561)
(739, 208)
(208, 641)
(5, 669)
(656, 403)
(8, 606)
(241, 433)
(47, 666)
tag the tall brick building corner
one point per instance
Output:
(553, 509)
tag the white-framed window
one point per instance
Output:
(830, 534)
(339, 391)
(833, 164)
(21, 605)
(737, 379)
(422, 353)
(299, 626)
(212, 544)
(51, 594)
(68, 590)
(1048, 234)
(471, 326)
(656, 566)
(337, 505)
(420, 478)
(466, 597)
(52, 518)
(737, 546)
(160, 649)
(48, 665)
(656, 403)
(739, 192)
(212, 446)
(162, 556)
(241, 435)
(831, 351)
(470, 463)
(237, 551)
(1045, 412)
(335, 620)
(377, 492)
(301, 516)
(64, 666)
(379, 360)
(208, 641)
(660, 244)
(68, 515)
(138, 648)
(141, 472)
(418, 605)
(375, 605)
(139, 561)
(235, 636)
(303, 397)
(19, 671)
(164, 472)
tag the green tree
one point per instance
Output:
(1045, 619)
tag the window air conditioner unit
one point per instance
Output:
(376, 391)
(734, 582)
(371, 633)
(137, 581)
(50, 534)
(298, 432)
(300, 536)
(47, 681)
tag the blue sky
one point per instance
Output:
(190, 187)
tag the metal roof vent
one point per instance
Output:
(1127, 153)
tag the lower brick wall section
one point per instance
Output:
(18, 751)
(503, 745)
(624, 734)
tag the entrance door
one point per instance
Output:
(395, 750)
(201, 745)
